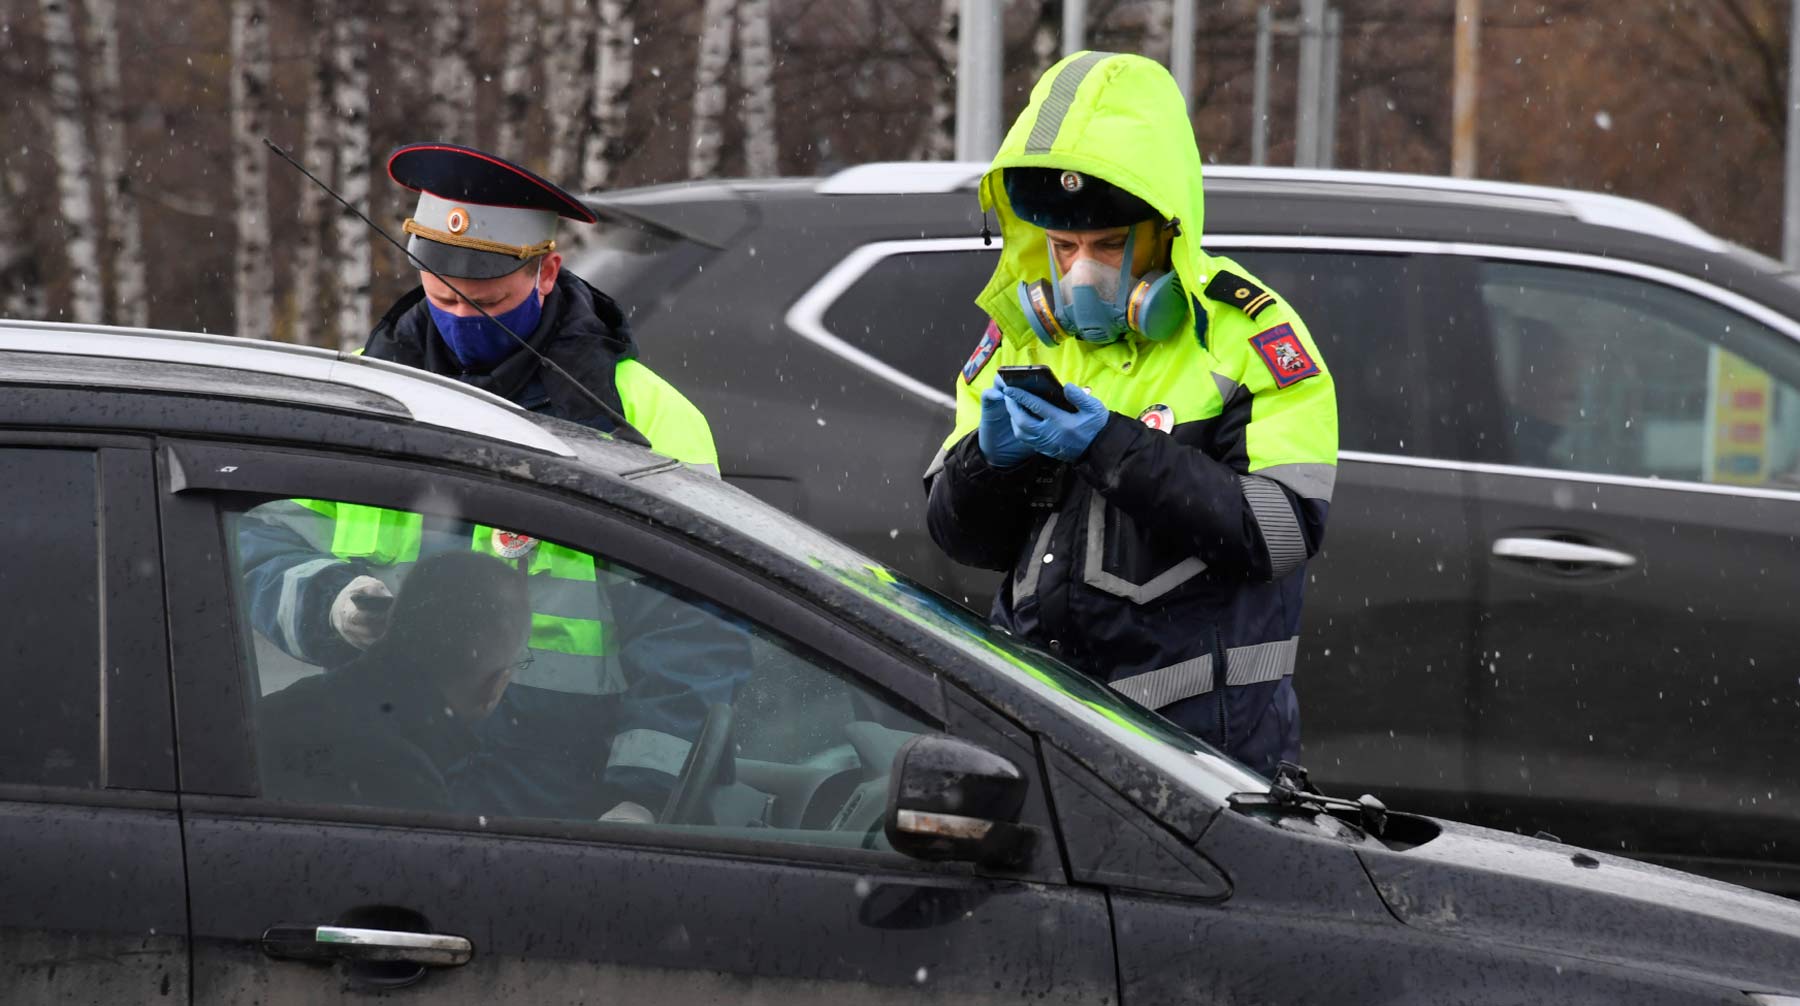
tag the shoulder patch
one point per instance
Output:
(984, 351)
(1281, 349)
(1230, 288)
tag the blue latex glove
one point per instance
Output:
(995, 434)
(1054, 432)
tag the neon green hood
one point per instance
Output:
(1116, 117)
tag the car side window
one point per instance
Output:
(915, 311)
(1620, 376)
(1367, 313)
(50, 637)
(421, 661)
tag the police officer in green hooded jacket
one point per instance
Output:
(318, 573)
(1157, 531)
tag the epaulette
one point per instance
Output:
(1230, 288)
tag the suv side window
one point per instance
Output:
(915, 311)
(489, 672)
(1368, 314)
(50, 637)
(1616, 375)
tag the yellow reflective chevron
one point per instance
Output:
(581, 637)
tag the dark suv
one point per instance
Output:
(1561, 584)
(895, 805)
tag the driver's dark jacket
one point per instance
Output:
(674, 657)
(367, 733)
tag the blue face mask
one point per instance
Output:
(478, 342)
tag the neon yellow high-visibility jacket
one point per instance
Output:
(1171, 555)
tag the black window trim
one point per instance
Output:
(136, 728)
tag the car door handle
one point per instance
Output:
(1569, 552)
(320, 943)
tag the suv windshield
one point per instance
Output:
(1159, 742)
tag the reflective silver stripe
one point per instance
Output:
(287, 609)
(1275, 519)
(1027, 583)
(712, 470)
(1168, 685)
(571, 672)
(1245, 665)
(937, 463)
(1094, 568)
(651, 749)
(560, 598)
(1311, 482)
(1228, 389)
(1056, 105)
(303, 520)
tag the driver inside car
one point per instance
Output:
(397, 726)
(621, 677)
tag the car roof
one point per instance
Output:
(1595, 208)
(92, 356)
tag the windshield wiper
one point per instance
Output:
(1292, 790)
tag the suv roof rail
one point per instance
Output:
(426, 397)
(900, 177)
(1598, 208)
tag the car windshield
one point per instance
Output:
(1168, 748)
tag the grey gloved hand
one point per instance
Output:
(361, 626)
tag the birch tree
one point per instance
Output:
(708, 133)
(320, 158)
(1159, 25)
(939, 141)
(610, 98)
(515, 75)
(756, 63)
(255, 301)
(568, 85)
(21, 281)
(451, 103)
(1046, 36)
(350, 54)
(74, 182)
(124, 228)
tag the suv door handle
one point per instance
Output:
(320, 943)
(1553, 550)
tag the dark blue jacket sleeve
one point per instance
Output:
(1252, 525)
(290, 583)
(981, 515)
(680, 656)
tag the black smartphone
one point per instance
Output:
(1040, 381)
(372, 602)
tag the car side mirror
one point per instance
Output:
(949, 800)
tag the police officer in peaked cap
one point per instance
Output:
(318, 572)
(1156, 531)
(489, 226)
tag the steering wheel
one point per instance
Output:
(700, 769)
